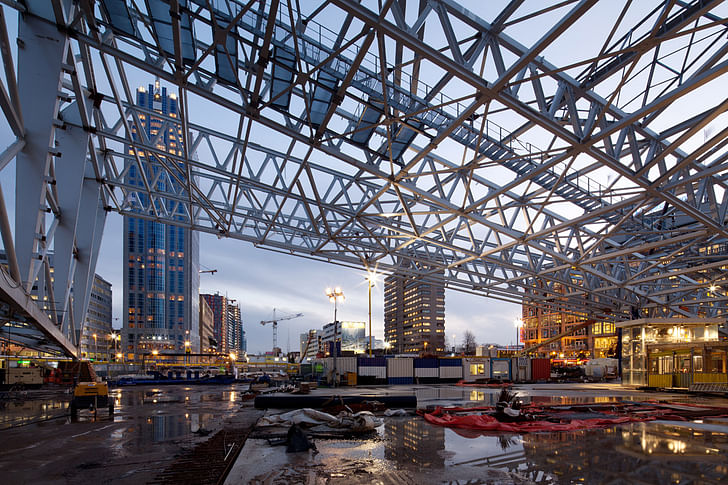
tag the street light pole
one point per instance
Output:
(371, 279)
(334, 296)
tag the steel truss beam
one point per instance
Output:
(401, 137)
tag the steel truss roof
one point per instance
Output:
(570, 156)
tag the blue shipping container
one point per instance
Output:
(372, 362)
(425, 363)
(393, 381)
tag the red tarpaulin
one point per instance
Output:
(484, 422)
(559, 416)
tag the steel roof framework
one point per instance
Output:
(417, 137)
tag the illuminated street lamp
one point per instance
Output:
(187, 351)
(371, 280)
(95, 348)
(334, 296)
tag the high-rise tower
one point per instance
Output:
(414, 313)
(161, 262)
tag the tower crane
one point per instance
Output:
(275, 321)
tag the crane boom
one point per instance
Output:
(275, 321)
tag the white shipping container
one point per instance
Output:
(476, 369)
(500, 369)
(346, 364)
(400, 367)
(521, 369)
(451, 372)
(426, 372)
(328, 365)
(378, 372)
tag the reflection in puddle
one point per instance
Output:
(413, 442)
(18, 413)
(162, 428)
(489, 396)
(126, 400)
(648, 452)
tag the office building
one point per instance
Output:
(97, 336)
(208, 344)
(227, 327)
(351, 335)
(234, 328)
(98, 316)
(414, 313)
(218, 304)
(309, 344)
(544, 322)
(161, 262)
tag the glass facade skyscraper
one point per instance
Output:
(161, 262)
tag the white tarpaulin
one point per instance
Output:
(361, 421)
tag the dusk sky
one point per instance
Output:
(262, 280)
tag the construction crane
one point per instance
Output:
(211, 271)
(275, 321)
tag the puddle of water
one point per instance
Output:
(451, 395)
(163, 428)
(18, 413)
(652, 452)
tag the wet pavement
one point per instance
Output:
(158, 429)
(410, 450)
(150, 429)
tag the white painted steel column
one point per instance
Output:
(72, 144)
(41, 48)
(92, 213)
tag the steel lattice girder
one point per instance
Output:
(423, 135)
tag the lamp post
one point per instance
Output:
(518, 324)
(334, 296)
(371, 279)
(95, 348)
(187, 351)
